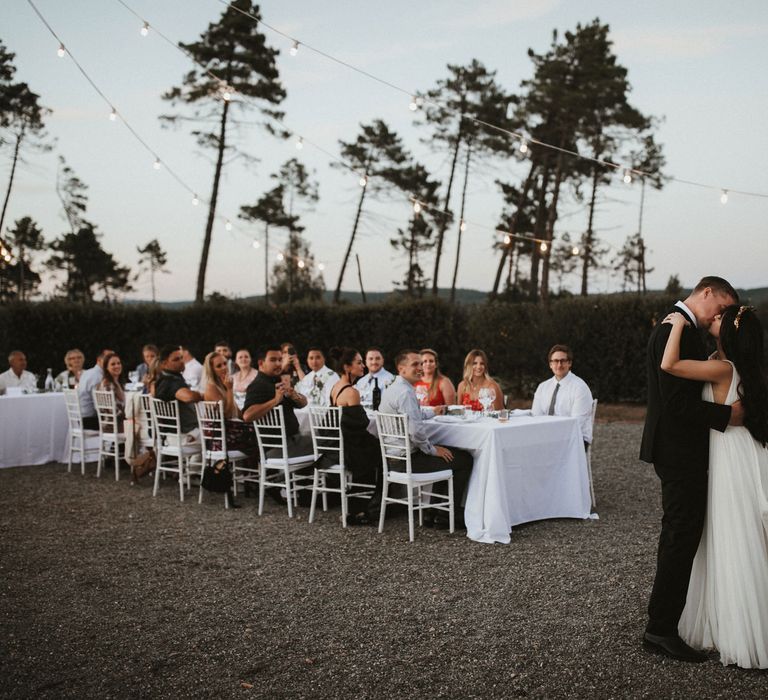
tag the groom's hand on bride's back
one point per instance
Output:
(737, 414)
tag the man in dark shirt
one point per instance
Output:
(267, 391)
(171, 385)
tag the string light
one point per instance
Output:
(301, 264)
(543, 247)
(413, 106)
(463, 226)
(507, 239)
(61, 51)
(627, 176)
(280, 257)
(256, 244)
(523, 148)
(144, 29)
(294, 48)
(416, 207)
(228, 225)
(575, 250)
(724, 197)
(363, 181)
(113, 115)
(321, 267)
(157, 164)
(300, 143)
(226, 93)
(195, 200)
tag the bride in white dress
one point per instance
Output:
(727, 604)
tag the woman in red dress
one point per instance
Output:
(476, 377)
(434, 386)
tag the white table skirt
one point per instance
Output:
(33, 429)
(526, 469)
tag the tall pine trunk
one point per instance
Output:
(640, 241)
(200, 293)
(461, 220)
(19, 138)
(589, 239)
(266, 264)
(549, 235)
(538, 231)
(337, 292)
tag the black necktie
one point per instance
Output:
(551, 411)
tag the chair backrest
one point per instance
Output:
(74, 414)
(213, 432)
(146, 409)
(394, 440)
(106, 410)
(270, 432)
(325, 424)
(165, 418)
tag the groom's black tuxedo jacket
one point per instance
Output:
(677, 423)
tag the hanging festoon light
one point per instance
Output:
(294, 48)
(321, 267)
(157, 164)
(523, 147)
(280, 257)
(363, 181)
(507, 239)
(301, 264)
(724, 197)
(416, 207)
(300, 143)
(228, 225)
(144, 31)
(543, 247)
(413, 105)
(256, 244)
(627, 176)
(195, 200)
(61, 51)
(575, 250)
(463, 226)
(113, 115)
(226, 93)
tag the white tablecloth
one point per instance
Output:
(33, 429)
(526, 469)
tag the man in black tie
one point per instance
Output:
(676, 441)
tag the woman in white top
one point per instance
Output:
(245, 372)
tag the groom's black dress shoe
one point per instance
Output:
(673, 647)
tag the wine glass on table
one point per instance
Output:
(486, 396)
(133, 377)
(422, 395)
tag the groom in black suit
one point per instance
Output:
(676, 441)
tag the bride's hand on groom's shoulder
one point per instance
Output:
(676, 319)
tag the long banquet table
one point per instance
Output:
(33, 429)
(526, 469)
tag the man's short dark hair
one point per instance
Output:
(717, 285)
(261, 353)
(402, 356)
(167, 350)
(375, 348)
(222, 344)
(560, 348)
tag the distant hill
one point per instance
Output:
(756, 297)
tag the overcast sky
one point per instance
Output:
(699, 64)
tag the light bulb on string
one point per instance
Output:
(416, 207)
(294, 48)
(463, 226)
(363, 181)
(575, 250)
(523, 148)
(507, 239)
(256, 244)
(226, 93)
(300, 143)
(543, 247)
(724, 197)
(144, 29)
(228, 225)
(280, 257)
(157, 164)
(113, 115)
(419, 101)
(61, 51)
(321, 267)
(627, 176)
(412, 105)
(301, 264)
(195, 200)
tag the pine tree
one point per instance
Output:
(153, 259)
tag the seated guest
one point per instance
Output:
(224, 348)
(439, 389)
(267, 391)
(400, 397)
(17, 375)
(362, 454)
(377, 376)
(90, 380)
(73, 361)
(476, 377)
(564, 394)
(149, 354)
(151, 377)
(193, 370)
(291, 364)
(113, 381)
(245, 372)
(171, 386)
(317, 383)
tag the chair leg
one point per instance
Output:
(69, 454)
(101, 458)
(315, 484)
(343, 489)
(289, 495)
(262, 485)
(325, 495)
(591, 486)
(226, 500)
(181, 479)
(410, 511)
(451, 515)
(157, 474)
(383, 512)
(117, 461)
(421, 510)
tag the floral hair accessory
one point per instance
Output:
(742, 309)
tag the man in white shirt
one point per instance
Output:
(89, 380)
(193, 370)
(319, 381)
(564, 394)
(377, 375)
(17, 375)
(400, 398)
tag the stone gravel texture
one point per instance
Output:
(109, 593)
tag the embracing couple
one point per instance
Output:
(705, 433)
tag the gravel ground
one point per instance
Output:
(107, 592)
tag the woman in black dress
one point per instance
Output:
(362, 453)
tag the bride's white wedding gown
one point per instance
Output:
(727, 604)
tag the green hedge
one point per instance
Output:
(608, 334)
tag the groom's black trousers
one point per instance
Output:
(684, 500)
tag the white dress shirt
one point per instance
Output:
(25, 381)
(573, 399)
(365, 384)
(89, 380)
(400, 397)
(317, 385)
(193, 371)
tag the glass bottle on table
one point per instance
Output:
(376, 394)
(50, 385)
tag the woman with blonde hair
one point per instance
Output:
(477, 379)
(435, 388)
(70, 377)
